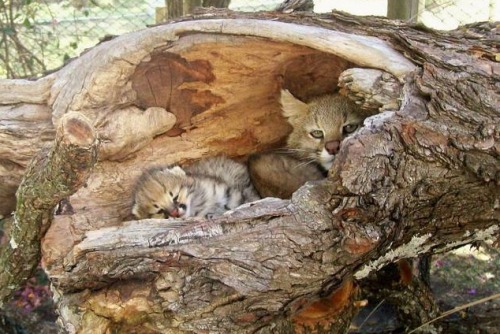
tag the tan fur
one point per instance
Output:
(305, 158)
(156, 190)
(207, 188)
(330, 114)
(280, 175)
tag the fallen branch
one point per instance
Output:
(52, 176)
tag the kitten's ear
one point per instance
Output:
(291, 106)
(176, 170)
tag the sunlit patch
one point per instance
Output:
(468, 250)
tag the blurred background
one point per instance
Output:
(39, 36)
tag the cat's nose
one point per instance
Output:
(174, 213)
(332, 146)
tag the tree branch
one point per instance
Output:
(52, 176)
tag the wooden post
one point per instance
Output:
(178, 8)
(216, 3)
(190, 5)
(174, 8)
(160, 14)
(403, 10)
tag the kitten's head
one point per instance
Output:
(320, 125)
(162, 193)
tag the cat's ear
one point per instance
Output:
(176, 170)
(291, 106)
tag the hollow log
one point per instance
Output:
(420, 177)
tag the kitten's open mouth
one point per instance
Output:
(176, 213)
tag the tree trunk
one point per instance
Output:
(420, 177)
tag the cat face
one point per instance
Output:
(163, 193)
(320, 125)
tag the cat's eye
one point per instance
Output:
(318, 134)
(156, 206)
(183, 206)
(350, 128)
(171, 194)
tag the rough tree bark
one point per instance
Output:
(421, 177)
(53, 175)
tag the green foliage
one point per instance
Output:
(16, 56)
(36, 36)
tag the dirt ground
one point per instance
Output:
(465, 275)
(459, 277)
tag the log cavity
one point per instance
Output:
(224, 93)
(227, 87)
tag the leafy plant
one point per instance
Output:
(16, 55)
(36, 36)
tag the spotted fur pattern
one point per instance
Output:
(207, 188)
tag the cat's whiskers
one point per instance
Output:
(305, 162)
(293, 151)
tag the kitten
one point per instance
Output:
(318, 128)
(205, 189)
(227, 171)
